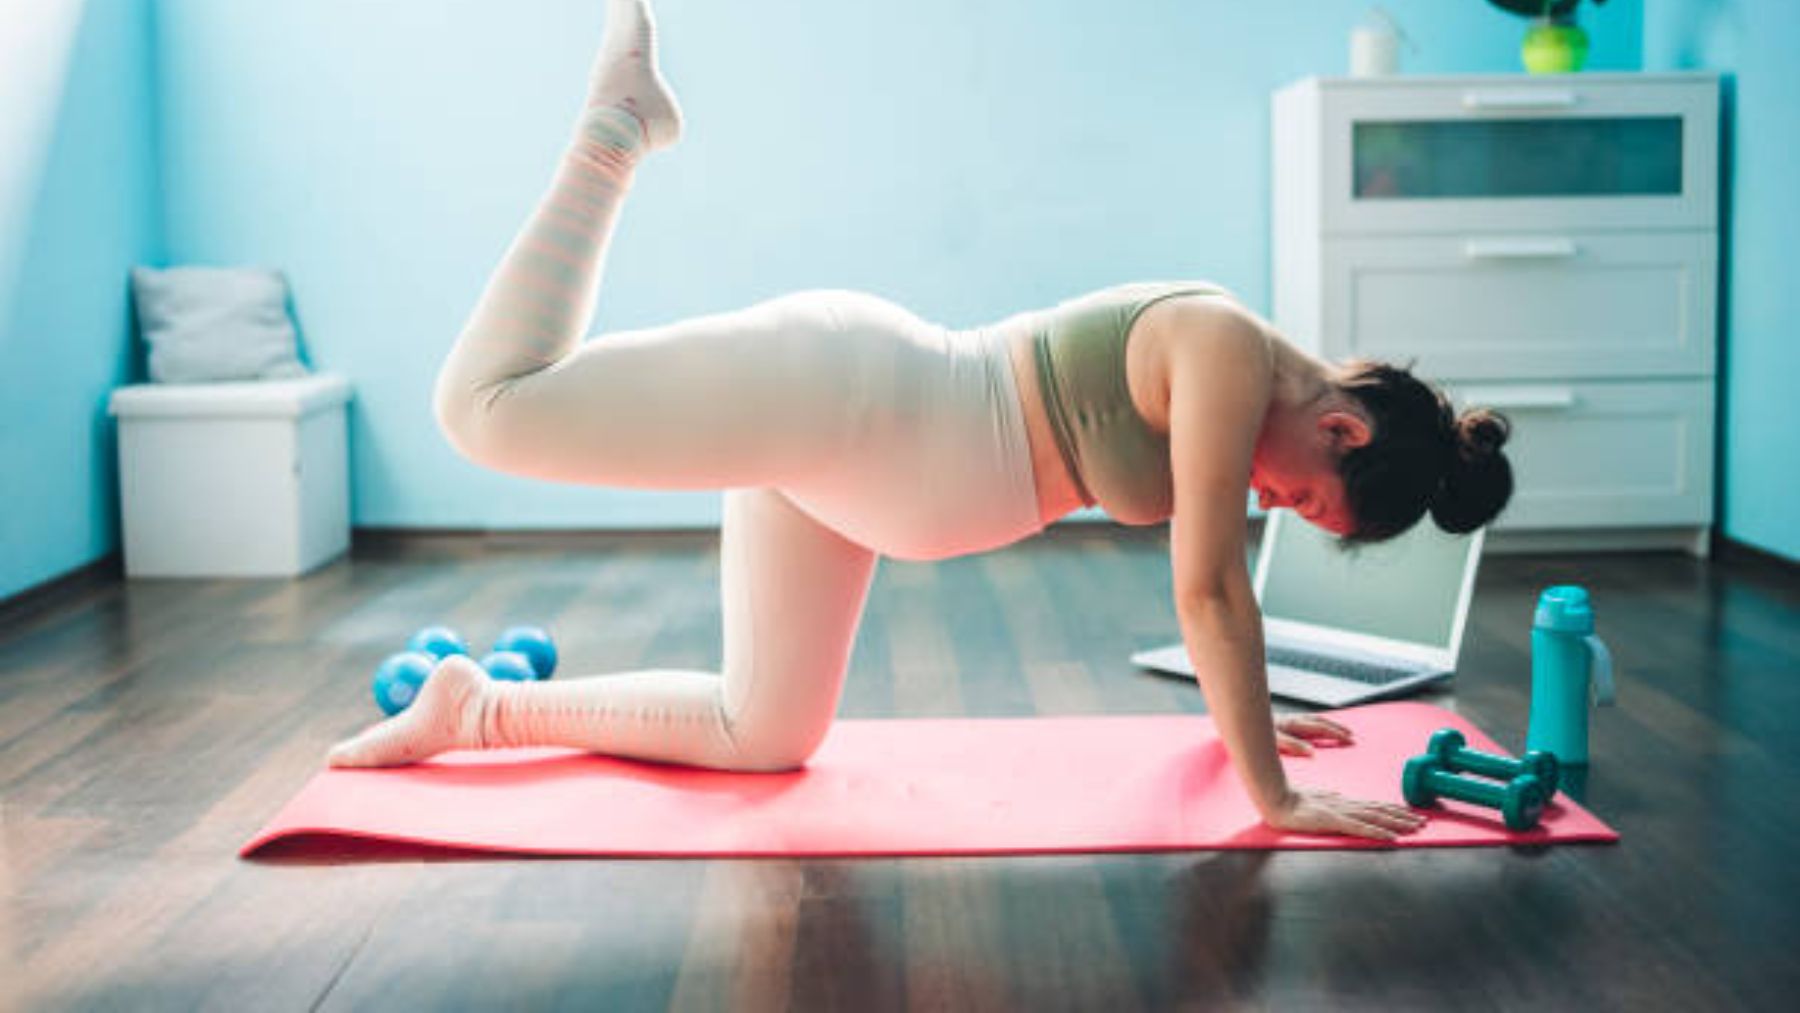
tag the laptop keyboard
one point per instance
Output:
(1364, 672)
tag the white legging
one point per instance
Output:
(839, 425)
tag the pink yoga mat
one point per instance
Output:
(902, 787)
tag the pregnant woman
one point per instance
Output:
(842, 428)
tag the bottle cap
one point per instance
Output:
(1565, 609)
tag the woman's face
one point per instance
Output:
(1295, 465)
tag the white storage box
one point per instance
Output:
(233, 479)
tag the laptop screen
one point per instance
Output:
(1407, 588)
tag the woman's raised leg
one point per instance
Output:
(760, 396)
(792, 594)
(539, 300)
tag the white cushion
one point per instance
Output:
(206, 324)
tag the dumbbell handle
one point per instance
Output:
(1505, 768)
(1487, 764)
(1465, 789)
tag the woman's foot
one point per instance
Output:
(446, 715)
(625, 78)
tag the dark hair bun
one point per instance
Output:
(1479, 480)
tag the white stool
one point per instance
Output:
(233, 479)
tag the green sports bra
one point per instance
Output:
(1115, 458)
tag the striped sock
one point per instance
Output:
(445, 715)
(625, 74)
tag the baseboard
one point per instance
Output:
(1757, 560)
(34, 602)
(391, 543)
(1577, 541)
(394, 543)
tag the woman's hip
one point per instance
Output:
(939, 463)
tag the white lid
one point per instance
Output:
(249, 399)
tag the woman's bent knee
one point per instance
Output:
(774, 751)
(455, 413)
(469, 417)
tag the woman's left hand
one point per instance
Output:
(1295, 733)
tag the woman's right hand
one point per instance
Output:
(1327, 812)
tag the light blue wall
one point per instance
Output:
(78, 207)
(966, 159)
(1753, 42)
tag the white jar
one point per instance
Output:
(1375, 46)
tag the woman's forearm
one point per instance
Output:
(1225, 643)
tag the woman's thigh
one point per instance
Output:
(762, 396)
(792, 593)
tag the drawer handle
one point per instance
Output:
(1521, 398)
(1520, 249)
(1519, 99)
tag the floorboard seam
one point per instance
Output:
(344, 967)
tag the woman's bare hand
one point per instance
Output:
(1295, 734)
(1327, 812)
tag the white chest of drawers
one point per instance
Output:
(1544, 246)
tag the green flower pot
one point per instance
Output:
(1551, 48)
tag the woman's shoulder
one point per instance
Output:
(1160, 289)
(1205, 332)
(1199, 314)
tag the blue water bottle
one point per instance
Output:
(1568, 663)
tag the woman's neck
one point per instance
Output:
(1300, 379)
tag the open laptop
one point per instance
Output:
(1341, 627)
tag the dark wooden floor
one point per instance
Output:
(147, 728)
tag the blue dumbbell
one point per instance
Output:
(438, 641)
(511, 666)
(399, 677)
(534, 643)
(397, 681)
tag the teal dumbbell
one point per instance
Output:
(1521, 800)
(1450, 747)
